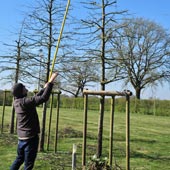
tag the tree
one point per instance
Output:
(18, 62)
(17, 65)
(42, 27)
(77, 76)
(97, 30)
(142, 53)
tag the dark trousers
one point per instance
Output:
(26, 153)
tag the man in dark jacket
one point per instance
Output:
(28, 126)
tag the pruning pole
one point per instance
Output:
(59, 38)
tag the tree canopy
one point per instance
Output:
(142, 53)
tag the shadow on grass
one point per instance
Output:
(150, 154)
(149, 141)
(157, 157)
(8, 139)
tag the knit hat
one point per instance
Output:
(17, 90)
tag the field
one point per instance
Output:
(149, 141)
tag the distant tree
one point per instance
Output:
(17, 61)
(17, 66)
(142, 53)
(77, 76)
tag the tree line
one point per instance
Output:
(150, 106)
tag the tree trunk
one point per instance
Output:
(16, 80)
(138, 92)
(42, 136)
(12, 120)
(100, 128)
(102, 99)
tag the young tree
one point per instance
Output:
(17, 65)
(142, 53)
(42, 29)
(97, 30)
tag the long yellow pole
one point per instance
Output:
(59, 38)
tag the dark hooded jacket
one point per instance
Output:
(27, 117)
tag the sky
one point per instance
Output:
(11, 15)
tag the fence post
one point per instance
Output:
(74, 157)
(84, 131)
(12, 118)
(57, 122)
(127, 132)
(3, 111)
(49, 126)
(111, 129)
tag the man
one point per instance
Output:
(28, 123)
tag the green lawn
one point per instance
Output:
(149, 141)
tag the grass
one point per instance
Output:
(149, 141)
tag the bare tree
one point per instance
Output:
(77, 76)
(98, 27)
(16, 65)
(42, 30)
(142, 53)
